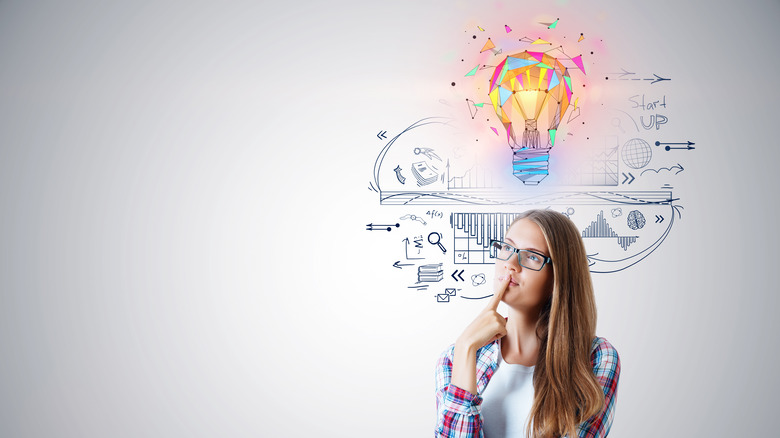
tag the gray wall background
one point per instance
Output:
(157, 159)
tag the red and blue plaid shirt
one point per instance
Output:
(459, 410)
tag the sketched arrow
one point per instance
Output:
(381, 135)
(627, 176)
(625, 72)
(459, 275)
(688, 143)
(378, 227)
(399, 265)
(659, 219)
(668, 148)
(678, 166)
(658, 79)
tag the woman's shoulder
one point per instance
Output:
(603, 355)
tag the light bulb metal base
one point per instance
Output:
(531, 165)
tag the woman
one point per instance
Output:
(541, 371)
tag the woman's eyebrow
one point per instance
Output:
(529, 248)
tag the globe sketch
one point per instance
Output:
(636, 153)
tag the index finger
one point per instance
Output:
(493, 303)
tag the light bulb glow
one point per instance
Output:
(530, 91)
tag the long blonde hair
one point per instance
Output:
(566, 391)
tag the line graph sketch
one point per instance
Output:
(599, 168)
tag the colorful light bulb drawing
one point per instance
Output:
(530, 90)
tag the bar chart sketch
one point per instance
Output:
(473, 233)
(600, 229)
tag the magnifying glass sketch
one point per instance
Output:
(435, 239)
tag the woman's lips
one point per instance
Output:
(512, 282)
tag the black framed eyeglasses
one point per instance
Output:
(527, 258)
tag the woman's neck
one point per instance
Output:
(520, 345)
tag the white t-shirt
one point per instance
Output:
(507, 400)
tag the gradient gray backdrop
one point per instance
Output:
(157, 159)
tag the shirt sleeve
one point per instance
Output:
(457, 410)
(606, 367)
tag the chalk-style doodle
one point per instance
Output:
(430, 273)
(670, 146)
(421, 287)
(635, 220)
(601, 265)
(414, 218)
(636, 153)
(678, 167)
(424, 173)
(428, 152)
(445, 297)
(656, 120)
(458, 275)
(382, 135)
(473, 233)
(473, 108)
(435, 239)
(627, 76)
(617, 124)
(378, 227)
(574, 114)
(401, 178)
(418, 244)
(476, 298)
(477, 177)
(590, 149)
(435, 214)
(599, 168)
(601, 229)
(647, 105)
(443, 195)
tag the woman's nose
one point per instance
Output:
(512, 264)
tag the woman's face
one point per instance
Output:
(528, 289)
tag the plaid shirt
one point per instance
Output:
(458, 410)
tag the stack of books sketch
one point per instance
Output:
(423, 173)
(430, 273)
(473, 233)
(601, 229)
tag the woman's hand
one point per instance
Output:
(488, 326)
